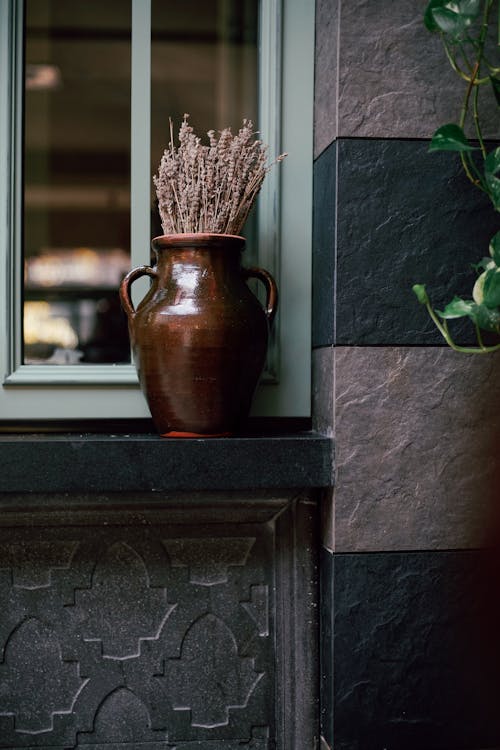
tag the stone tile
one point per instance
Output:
(328, 518)
(326, 647)
(417, 448)
(416, 651)
(38, 463)
(323, 369)
(404, 216)
(322, 389)
(324, 237)
(325, 87)
(394, 78)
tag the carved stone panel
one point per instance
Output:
(157, 635)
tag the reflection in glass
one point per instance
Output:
(76, 230)
(77, 180)
(203, 62)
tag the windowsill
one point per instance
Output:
(99, 463)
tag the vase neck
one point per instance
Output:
(191, 267)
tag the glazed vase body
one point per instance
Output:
(199, 336)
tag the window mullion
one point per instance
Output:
(16, 373)
(140, 160)
(268, 231)
(11, 88)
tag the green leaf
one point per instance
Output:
(484, 264)
(450, 137)
(491, 171)
(495, 83)
(491, 288)
(478, 290)
(495, 248)
(429, 21)
(470, 8)
(457, 308)
(421, 294)
(451, 17)
(486, 318)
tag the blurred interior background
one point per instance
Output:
(77, 110)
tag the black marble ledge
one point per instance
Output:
(101, 463)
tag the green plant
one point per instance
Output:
(463, 26)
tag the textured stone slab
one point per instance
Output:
(416, 654)
(417, 448)
(324, 238)
(135, 463)
(323, 389)
(161, 635)
(325, 83)
(404, 216)
(394, 78)
(327, 603)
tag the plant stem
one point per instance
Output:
(473, 84)
(480, 56)
(466, 159)
(479, 335)
(453, 62)
(469, 167)
(477, 124)
(443, 330)
(469, 65)
(465, 105)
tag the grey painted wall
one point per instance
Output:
(416, 425)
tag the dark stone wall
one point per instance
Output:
(416, 651)
(409, 579)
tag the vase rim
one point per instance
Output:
(196, 239)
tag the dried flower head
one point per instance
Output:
(210, 188)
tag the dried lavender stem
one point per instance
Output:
(210, 188)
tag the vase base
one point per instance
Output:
(176, 434)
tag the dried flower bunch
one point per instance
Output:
(210, 188)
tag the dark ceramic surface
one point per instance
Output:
(199, 336)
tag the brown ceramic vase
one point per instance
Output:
(200, 335)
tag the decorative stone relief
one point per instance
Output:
(121, 609)
(133, 638)
(172, 633)
(210, 677)
(258, 741)
(122, 720)
(32, 563)
(208, 559)
(258, 608)
(35, 682)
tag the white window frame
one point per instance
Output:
(286, 82)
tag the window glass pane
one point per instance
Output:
(204, 63)
(77, 180)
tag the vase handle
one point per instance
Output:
(126, 283)
(271, 290)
